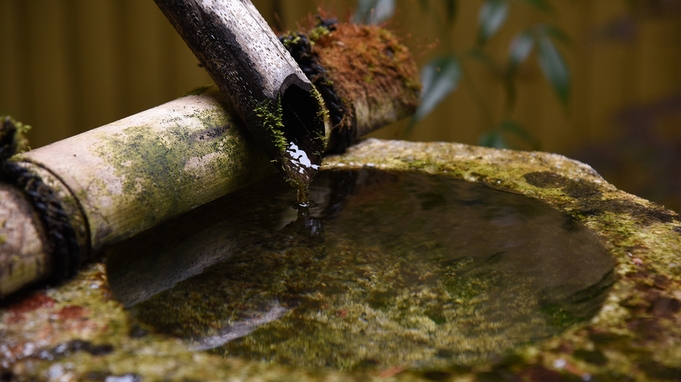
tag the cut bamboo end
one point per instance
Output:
(367, 77)
(373, 73)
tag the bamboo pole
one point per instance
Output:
(123, 178)
(133, 173)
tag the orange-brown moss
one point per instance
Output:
(367, 64)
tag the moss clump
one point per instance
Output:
(319, 32)
(366, 77)
(19, 142)
(369, 63)
(272, 120)
(290, 39)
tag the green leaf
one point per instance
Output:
(553, 65)
(519, 49)
(542, 5)
(554, 32)
(439, 77)
(479, 55)
(493, 14)
(511, 93)
(494, 139)
(374, 11)
(519, 131)
(452, 8)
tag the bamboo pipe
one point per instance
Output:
(262, 82)
(123, 178)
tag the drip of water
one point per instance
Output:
(302, 172)
(299, 159)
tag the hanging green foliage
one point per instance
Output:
(443, 75)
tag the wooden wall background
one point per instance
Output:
(70, 65)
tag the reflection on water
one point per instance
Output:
(385, 270)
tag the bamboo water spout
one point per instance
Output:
(261, 81)
(123, 178)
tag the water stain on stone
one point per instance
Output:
(574, 188)
(137, 331)
(661, 372)
(591, 203)
(591, 356)
(666, 307)
(67, 348)
(436, 375)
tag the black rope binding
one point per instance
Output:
(61, 236)
(299, 46)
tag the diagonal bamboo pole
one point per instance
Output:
(260, 79)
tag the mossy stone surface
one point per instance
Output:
(79, 332)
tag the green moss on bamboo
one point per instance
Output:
(290, 38)
(152, 165)
(271, 115)
(20, 140)
(318, 32)
(272, 119)
(323, 119)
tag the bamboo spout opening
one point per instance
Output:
(304, 130)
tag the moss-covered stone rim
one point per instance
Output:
(643, 237)
(635, 336)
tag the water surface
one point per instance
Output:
(386, 269)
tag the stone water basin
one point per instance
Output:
(418, 261)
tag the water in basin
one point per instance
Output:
(385, 270)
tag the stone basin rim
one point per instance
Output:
(642, 236)
(643, 306)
